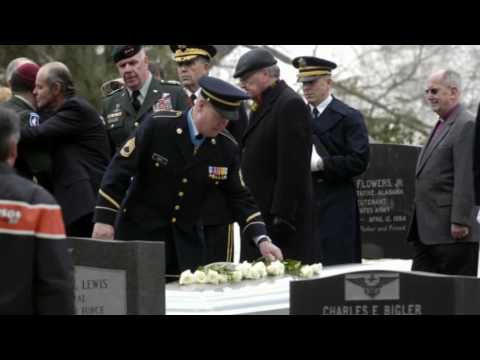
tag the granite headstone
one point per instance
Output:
(386, 293)
(385, 198)
(119, 277)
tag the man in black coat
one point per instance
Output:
(33, 161)
(340, 152)
(177, 160)
(80, 151)
(277, 146)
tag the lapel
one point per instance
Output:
(428, 150)
(126, 104)
(204, 153)
(330, 117)
(269, 98)
(182, 137)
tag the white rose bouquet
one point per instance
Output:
(223, 272)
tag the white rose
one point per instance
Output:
(222, 278)
(253, 273)
(244, 268)
(237, 276)
(276, 268)
(200, 277)
(306, 271)
(213, 277)
(261, 269)
(186, 278)
(317, 268)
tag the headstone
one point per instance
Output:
(385, 198)
(119, 277)
(386, 293)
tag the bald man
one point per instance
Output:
(81, 151)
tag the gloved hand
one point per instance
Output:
(316, 161)
(478, 217)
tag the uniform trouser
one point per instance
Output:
(449, 259)
(219, 242)
(82, 227)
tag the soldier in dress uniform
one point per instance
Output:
(340, 153)
(176, 160)
(124, 110)
(193, 62)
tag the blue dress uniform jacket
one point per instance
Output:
(120, 117)
(341, 139)
(36, 269)
(277, 146)
(80, 155)
(170, 187)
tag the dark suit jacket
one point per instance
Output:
(341, 139)
(476, 159)
(33, 159)
(444, 192)
(277, 146)
(80, 155)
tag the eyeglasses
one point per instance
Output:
(433, 91)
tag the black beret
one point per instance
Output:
(188, 52)
(121, 52)
(255, 59)
(311, 68)
(225, 98)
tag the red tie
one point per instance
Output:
(438, 128)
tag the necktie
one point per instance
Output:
(192, 98)
(315, 113)
(135, 101)
(438, 128)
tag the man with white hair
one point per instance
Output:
(443, 231)
(124, 110)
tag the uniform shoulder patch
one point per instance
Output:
(128, 148)
(167, 114)
(113, 92)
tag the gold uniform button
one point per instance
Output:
(124, 211)
(184, 181)
(136, 124)
(177, 207)
(157, 164)
(216, 182)
(180, 194)
(174, 220)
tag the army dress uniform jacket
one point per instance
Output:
(80, 155)
(33, 159)
(171, 185)
(36, 269)
(120, 117)
(277, 146)
(340, 137)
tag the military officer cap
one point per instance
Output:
(189, 52)
(311, 68)
(253, 60)
(224, 97)
(121, 52)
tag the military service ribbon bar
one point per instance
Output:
(217, 173)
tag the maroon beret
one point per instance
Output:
(27, 73)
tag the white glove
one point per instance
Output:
(316, 162)
(478, 217)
